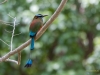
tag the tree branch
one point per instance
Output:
(10, 60)
(4, 42)
(13, 34)
(53, 17)
(4, 1)
(19, 57)
(42, 30)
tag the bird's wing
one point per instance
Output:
(35, 26)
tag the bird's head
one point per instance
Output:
(39, 16)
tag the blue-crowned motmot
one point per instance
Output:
(35, 26)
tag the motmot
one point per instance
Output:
(35, 26)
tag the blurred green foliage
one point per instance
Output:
(70, 46)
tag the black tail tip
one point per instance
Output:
(29, 63)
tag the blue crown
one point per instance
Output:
(39, 15)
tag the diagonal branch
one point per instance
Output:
(4, 1)
(4, 42)
(53, 17)
(42, 30)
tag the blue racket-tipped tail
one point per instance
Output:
(29, 63)
(32, 35)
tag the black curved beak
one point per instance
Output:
(45, 15)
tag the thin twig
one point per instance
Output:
(42, 30)
(4, 1)
(6, 23)
(13, 33)
(17, 34)
(19, 54)
(8, 31)
(10, 16)
(10, 60)
(4, 42)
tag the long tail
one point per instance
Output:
(32, 44)
(29, 62)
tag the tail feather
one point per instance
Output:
(29, 63)
(32, 44)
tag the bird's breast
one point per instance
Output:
(36, 25)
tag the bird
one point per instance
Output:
(35, 26)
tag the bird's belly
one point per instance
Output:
(35, 26)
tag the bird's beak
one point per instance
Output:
(45, 15)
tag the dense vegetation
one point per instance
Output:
(70, 46)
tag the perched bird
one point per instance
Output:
(35, 26)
